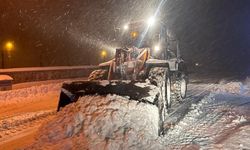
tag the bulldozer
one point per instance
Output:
(147, 55)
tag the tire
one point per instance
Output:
(183, 91)
(159, 76)
(100, 74)
(179, 89)
(168, 92)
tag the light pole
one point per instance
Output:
(8, 46)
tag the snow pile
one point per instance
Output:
(247, 86)
(237, 88)
(34, 69)
(231, 87)
(5, 77)
(96, 122)
(247, 81)
(15, 96)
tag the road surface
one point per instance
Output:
(213, 116)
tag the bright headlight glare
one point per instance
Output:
(125, 27)
(157, 48)
(151, 21)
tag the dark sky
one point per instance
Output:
(215, 33)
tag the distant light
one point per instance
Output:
(104, 53)
(151, 21)
(125, 27)
(9, 46)
(134, 34)
(197, 64)
(157, 48)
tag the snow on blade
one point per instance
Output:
(96, 122)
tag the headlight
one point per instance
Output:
(151, 21)
(157, 48)
(125, 27)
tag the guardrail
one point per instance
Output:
(32, 74)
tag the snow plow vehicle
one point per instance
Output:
(160, 66)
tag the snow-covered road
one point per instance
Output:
(23, 110)
(218, 118)
(212, 122)
(214, 116)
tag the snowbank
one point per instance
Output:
(231, 87)
(5, 77)
(5, 82)
(236, 88)
(21, 75)
(97, 122)
(16, 96)
(35, 69)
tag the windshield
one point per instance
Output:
(140, 35)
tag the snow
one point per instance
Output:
(208, 121)
(104, 83)
(24, 94)
(5, 77)
(240, 119)
(232, 87)
(219, 121)
(11, 122)
(44, 68)
(112, 121)
(239, 140)
(157, 61)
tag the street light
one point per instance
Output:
(8, 46)
(134, 34)
(103, 54)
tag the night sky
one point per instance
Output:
(213, 33)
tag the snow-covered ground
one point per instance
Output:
(219, 120)
(5, 78)
(34, 69)
(24, 109)
(23, 92)
(29, 93)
